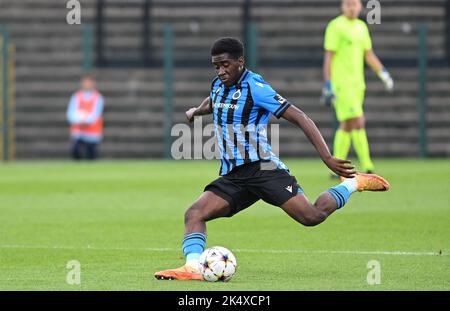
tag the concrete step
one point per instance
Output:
(183, 87)
(155, 118)
(118, 134)
(265, 28)
(55, 14)
(390, 11)
(207, 12)
(61, 150)
(143, 118)
(51, 58)
(132, 103)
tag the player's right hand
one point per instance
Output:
(328, 95)
(190, 114)
(341, 167)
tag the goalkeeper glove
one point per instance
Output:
(328, 96)
(387, 79)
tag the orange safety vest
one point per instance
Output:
(87, 107)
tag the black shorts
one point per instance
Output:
(248, 183)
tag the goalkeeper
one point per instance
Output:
(347, 46)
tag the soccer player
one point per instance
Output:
(241, 103)
(347, 45)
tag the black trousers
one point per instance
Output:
(84, 150)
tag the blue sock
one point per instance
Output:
(193, 245)
(342, 192)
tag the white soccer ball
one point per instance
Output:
(217, 264)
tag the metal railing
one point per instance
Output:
(7, 98)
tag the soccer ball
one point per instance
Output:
(217, 264)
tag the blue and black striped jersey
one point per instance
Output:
(240, 114)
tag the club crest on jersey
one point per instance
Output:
(280, 99)
(237, 94)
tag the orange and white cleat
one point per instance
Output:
(183, 273)
(371, 182)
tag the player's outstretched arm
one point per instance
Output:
(299, 118)
(373, 61)
(204, 108)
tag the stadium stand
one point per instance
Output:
(49, 58)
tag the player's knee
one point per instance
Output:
(193, 214)
(346, 126)
(313, 219)
(359, 124)
(356, 123)
(309, 222)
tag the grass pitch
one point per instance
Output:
(124, 220)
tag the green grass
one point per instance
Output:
(124, 220)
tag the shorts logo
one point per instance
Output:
(237, 94)
(280, 99)
(288, 188)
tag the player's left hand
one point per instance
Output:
(328, 97)
(341, 167)
(387, 80)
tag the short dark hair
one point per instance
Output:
(88, 75)
(229, 45)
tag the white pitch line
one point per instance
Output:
(272, 251)
(152, 249)
(345, 252)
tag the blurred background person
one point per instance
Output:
(84, 114)
(347, 45)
